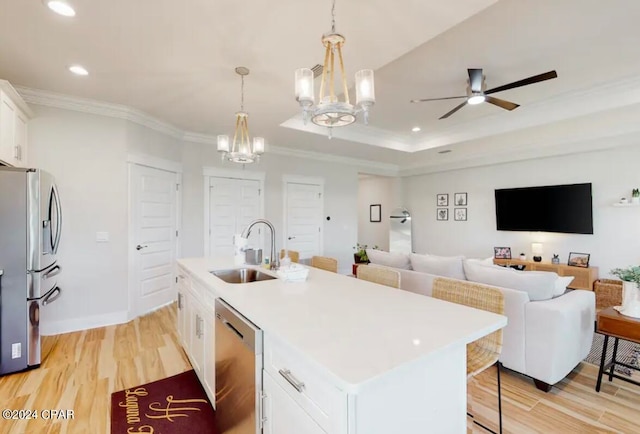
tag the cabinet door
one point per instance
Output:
(197, 337)
(283, 415)
(209, 368)
(7, 128)
(20, 139)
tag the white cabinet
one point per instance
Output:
(14, 115)
(282, 415)
(196, 328)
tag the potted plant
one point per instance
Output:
(360, 257)
(635, 195)
(630, 277)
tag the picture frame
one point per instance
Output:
(460, 214)
(442, 199)
(375, 213)
(460, 199)
(502, 252)
(578, 259)
(442, 214)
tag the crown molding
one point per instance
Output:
(86, 105)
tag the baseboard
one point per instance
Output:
(84, 323)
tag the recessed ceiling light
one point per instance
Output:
(415, 129)
(444, 151)
(78, 70)
(61, 7)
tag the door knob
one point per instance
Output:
(139, 247)
(290, 238)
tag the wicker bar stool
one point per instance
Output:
(383, 276)
(325, 263)
(293, 255)
(484, 352)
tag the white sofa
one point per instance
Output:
(546, 336)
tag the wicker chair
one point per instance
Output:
(379, 275)
(293, 255)
(325, 263)
(484, 352)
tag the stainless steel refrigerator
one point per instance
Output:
(30, 229)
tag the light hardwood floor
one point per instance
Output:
(82, 369)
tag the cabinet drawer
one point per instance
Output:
(320, 399)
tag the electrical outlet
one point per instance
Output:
(16, 350)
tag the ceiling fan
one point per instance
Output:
(477, 91)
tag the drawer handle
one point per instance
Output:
(298, 385)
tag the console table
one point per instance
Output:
(612, 323)
(583, 277)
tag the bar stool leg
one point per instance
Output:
(499, 396)
(602, 360)
(613, 360)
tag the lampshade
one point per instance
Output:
(536, 248)
(258, 145)
(304, 86)
(365, 90)
(223, 143)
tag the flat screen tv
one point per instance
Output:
(552, 208)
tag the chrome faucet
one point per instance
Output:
(274, 264)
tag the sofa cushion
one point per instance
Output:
(561, 285)
(395, 260)
(445, 266)
(539, 285)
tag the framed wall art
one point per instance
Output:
(460, 214)
(579, 259)
(375, 213)
(502, 252)
(442, 199)
(460, 199)
(442, 214)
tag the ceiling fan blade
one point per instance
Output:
(507, 105)
(524, 82)
(454, 110)
(437, 99)
(475, 79)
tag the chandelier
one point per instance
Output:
(330, 110)
(241, 150)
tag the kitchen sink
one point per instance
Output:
(242, 275)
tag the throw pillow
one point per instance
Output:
(395, 260)
(446, 266)
(561, 285)
(539, 285)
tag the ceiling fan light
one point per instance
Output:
(476, 99)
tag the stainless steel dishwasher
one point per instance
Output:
(238, 372)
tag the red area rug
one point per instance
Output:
(175, 405)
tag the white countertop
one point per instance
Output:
(352, 329)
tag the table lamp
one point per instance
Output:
(536, 249)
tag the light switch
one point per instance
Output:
(102, 237)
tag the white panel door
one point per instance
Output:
(154, 217)
(304, 219)
(233, 204)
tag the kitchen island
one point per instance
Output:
(374, 359)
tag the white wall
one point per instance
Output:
(613, 174)
(340, 196)
(383, 190)
(87, 154)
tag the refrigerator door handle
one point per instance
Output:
(56, 197)
(52, 296)
(53, 272)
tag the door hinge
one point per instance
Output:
(177, 187)
(259, 191)
(318, 228)
(176, 279)
(319, 195)
(176, 233)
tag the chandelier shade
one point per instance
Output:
(330, 109)
(241, 150)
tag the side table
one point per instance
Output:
(612, 323)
